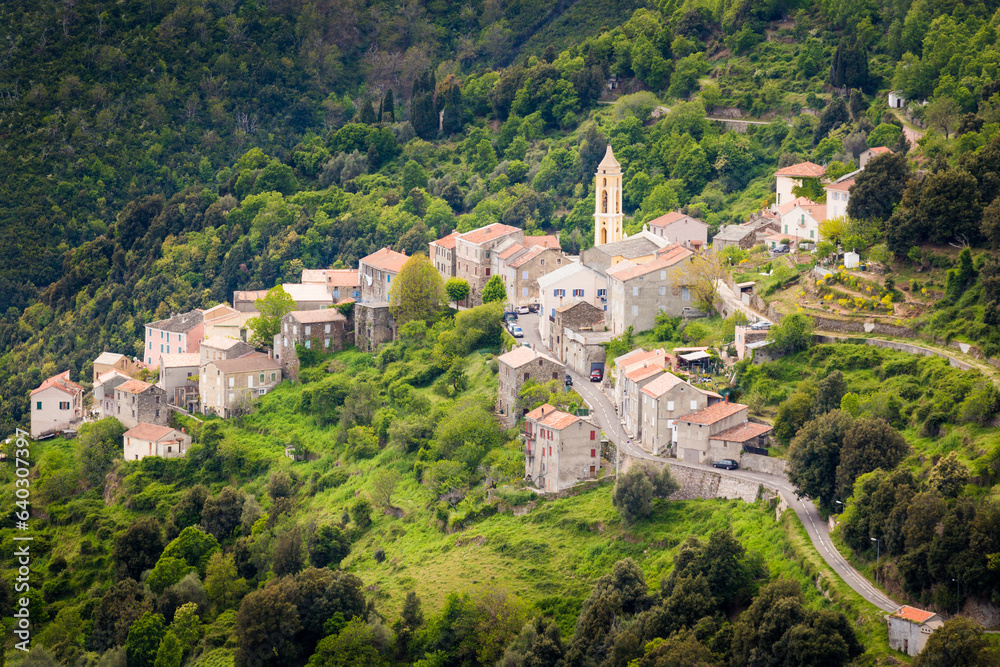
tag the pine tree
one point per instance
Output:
(366, 114)
(388, 107)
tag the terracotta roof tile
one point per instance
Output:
(532, 253)
(386, 259)
(521, 355)
(743, 432)
(182, 360)
(60, 382)
(255, 361)
(540, 412)
(662, 385)
(511, 250)
(448, 241)
(488, 233)
(134, 386)
(342, 278)
(549, 241)
(220, 342)
(798, 201)
(643, 372)
(559, 420)
(313, 276)
(913, 614)
(146, 431)
(314, 316)
(802, 170)
(880, 150)
(713, 413)
(843, 186)
(669, 256)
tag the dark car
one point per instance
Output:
(533, 307)
(727, 464)
(510, 316)
(569, 380)
(596, 375)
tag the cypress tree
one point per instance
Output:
(388, 107)
(366, 114)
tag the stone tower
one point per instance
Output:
(608, 205)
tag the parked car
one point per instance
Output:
(510, 316)
(763, 325)
(516, 332)
(569, 380)
(523, 310)
(596, 375)
(533, 307)
(780, 250)
(727, 464)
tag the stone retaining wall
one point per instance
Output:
(894, 345)
(764, 464)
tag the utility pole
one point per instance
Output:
(878, 555)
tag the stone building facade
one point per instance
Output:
(137, 401)
(574, 317)
(325, 330)
(104, 392)
(638, 292)
(663, 400)
(695, 432)
(376, 273)
(560, 449)
(228, 386)
(677, 227)
(176, 373)
(517, 367)
(373, 325)
(474, 255)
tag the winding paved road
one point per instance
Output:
(604, 412)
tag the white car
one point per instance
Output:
(523, 310)
(516, 332)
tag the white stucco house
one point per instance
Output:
(56, 405)
(791, 177)
(573, 282)
(909, 628)
(146, 439)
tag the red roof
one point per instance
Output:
(844, 185)
(342, 278)
(549, 241)
(146, 431)
(532, 253)
(913, 614)
(879, 150)
(662, 385)
(386, 259)
(134, 386)
(60, 382)
(487, 233)
(540, 412)
(802, 170)
(713, 413)
(560, 420)
(448, 241)
(743, 432)
(666, 257)
(798, 201)
(511, 250)
(644, 372)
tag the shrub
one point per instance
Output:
(379, 555)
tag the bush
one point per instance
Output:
(379, 555)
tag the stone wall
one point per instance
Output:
(898, 346)
(764, 464)
(373, 325)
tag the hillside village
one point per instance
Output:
(202, 361)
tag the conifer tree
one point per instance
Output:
(388, 107)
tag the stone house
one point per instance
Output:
(442, 255)
(474, 255)
(178, 377)
(663, 400)
(577, 316)
(376, 272)
(792, 177)
(313, 277)
(749, 234)
(638, 248)
(245, 300)
(137, 401)
(104, 392)
(638, 292)
(910, 627)
(677, 227)
(228, 386)
(520, 268)
(56, 405)
(632, 403)
(221, 347)
(570, 284)
(144, 440)
(583, 349)
(343, 284)
(324, 330)
(695, 431)
(112, 361)
(560, 449)
(374, 325)
(517, 367)
(177, 334)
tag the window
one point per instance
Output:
(685, 294)
(308, 344)
(812, 233)
(273, 376)
(635, 290)
(64, 405)
(168, 336)
(327, 328)
(524, 291)
(524, 275)
(487, 271)
(552, 312)
(157, 414)
(578, 292)
(802, 219)
(151, 345)
(593, 436)
(663, 290)
(327, 344)
(169, 449)
(635, 311)
(663, 275)
(157, 401)
(249, 380)
(261, 378)
(232, 382)
(786, 229)
(602, 292)
(336, 293)
(168, 349)
(308, 329)
(694, 404)
(38, 405)
(161, 335)
(388, 279)
(560, 292)
(593, 453)
(161, 348)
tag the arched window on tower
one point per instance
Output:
(604, 235)
(605, 183)
(618, 205)
(604, 201)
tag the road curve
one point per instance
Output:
(603, 411)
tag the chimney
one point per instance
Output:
(183, 430)
(727, 398)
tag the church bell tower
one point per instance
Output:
(608, 205)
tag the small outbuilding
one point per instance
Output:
(910, 627)
(851, 260)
